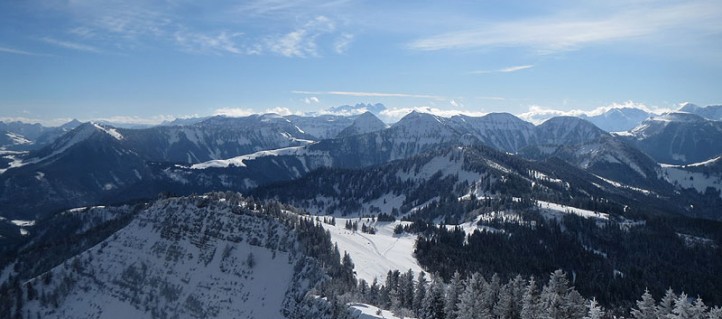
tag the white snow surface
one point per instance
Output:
(238, 160)
(680, 177)
(177, 260)
(364, 311)
(620, 185)
(553, 210)
(23, 223)
(110, 131)
(374, 255)
(18, 139)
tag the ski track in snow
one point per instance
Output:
(374, 255)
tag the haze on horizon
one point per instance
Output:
(156, 60)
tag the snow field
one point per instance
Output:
(374, 255)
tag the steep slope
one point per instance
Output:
(215, 138)
(20, 136)
(12, 141)
(86, 166)
(679, 138)
(403, 186)
(215, 256)
(321, 127)
(567, 130)
(413, 134)
(364, 123)
(502, 131)
(710, 112)
(608, 157)
(704, 177)
(29, 131)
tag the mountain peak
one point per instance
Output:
(566, 120)
(364, 123)
(417, 117)
(688, 107)
(679, 117)
(568, 130)
(712, 112)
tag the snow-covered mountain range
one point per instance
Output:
(244, 153)
(103, 221)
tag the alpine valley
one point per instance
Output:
(340, 215)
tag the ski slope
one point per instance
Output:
(374, 255)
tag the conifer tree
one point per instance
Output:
(574, 305)
(503, 307)
(469, 299)
(595, 310)
(699, 309)
(373, 295)
(420, 292)
(433, 303)
(453, 292)
(529, 304)
(645, 307)
(682, 308)
(715, 313)
(406, 289)
(490, 294)
(552, 298)
(664, 309)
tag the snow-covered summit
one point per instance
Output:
(712, 112)
(567, 130)
(364, 123)
(422, 124)
(678, 117)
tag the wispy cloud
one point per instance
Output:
(45, 122)
(71, 45)
(221, 29)
(572, 31)
(234, 111)
(222, 42)
(343, 42)
(310, 100)
(491, 98)
(20, 52)
(370, 94)
(505, 70)
(301, 42)
(277, 8)
(241, 112)
(516, 68)
(284, 111)
(117, 119)
(538, 114)
(394, 114)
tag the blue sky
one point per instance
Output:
(153, 60)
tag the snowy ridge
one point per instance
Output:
(620, 185)
(364, 123)
(708, 162)
(238, 161)
(204, 257)
(110, 131)
(553, 210)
